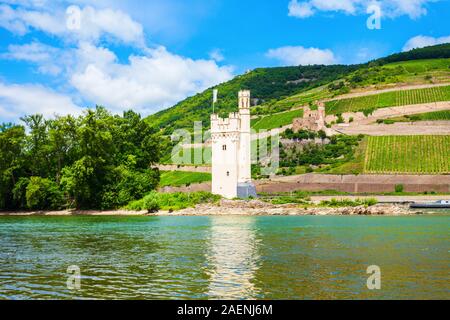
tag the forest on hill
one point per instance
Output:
(266, 84)
(271, 86)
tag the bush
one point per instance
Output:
(43, 194)
(399, 188)
(151, 202)
(171, 201)
(134, 185)
(335, 203)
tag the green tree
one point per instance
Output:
(43, 194)
(12, 141)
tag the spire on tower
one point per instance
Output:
(244, 99)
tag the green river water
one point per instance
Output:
(225, 257)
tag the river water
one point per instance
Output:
(224, 257)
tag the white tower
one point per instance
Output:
(231, 152)
(245, 161)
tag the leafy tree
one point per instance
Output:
(43, 194)
(20, 193)
(12, 160)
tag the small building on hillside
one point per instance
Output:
(313, 120)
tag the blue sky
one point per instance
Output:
(59, 57)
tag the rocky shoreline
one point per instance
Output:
(242, 208)
(259, 208)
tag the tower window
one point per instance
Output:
(224, 147)
(228, 173)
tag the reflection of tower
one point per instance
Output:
(233, 259)
(231, 152)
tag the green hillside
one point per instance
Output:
(180, 178)
(275, 90)
(266, 84)
(388, 99)
(376, 77)
(432, 52)
(277, 120)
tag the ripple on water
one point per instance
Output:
(224, 257)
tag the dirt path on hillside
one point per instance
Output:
(399, 129)
(394, 112)
(396, 88)
(368, 125)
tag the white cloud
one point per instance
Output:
(424, 41)
(94, 24)
(150, 80)
(390, 8)
(347, 6)
(300, 10)
(147, 83)
(216, 55)
(299, 55)
(50, 60)
(19, 100)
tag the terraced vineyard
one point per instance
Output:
(388, 99)
(429, 116)
(408, 155)
(179, 178)
(277, 120)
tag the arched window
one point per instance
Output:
(224, 147)
(228, 173)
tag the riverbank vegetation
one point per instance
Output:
(155, 201)
(303, 198)
(340, 203)
(93, 161)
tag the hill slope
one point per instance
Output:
(280, 89)
(266, 84)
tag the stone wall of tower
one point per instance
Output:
(231, 151)
(225, 136)
(245, 138)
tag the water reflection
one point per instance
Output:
(232, 258)
(224, 257)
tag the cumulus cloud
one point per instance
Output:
(424, 41)
(151, 79)
(390, 8)
(216, 55)
(300, 10)
(18, 100)
(91, 24)
(49, 60)
(298, 55)
(147, 82)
